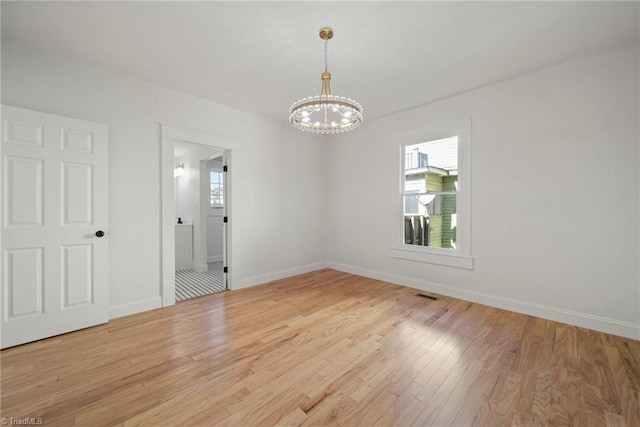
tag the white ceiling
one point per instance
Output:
(262, 56)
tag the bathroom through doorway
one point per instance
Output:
(199, 200)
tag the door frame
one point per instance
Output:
(168, 135)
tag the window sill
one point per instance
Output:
(431, 257)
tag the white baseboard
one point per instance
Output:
(281, 274)
(199, 268)
(214, 258)
(135, 307)
(597, 323)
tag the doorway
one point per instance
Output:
(196, 201)
(199, 196)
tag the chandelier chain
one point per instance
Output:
(326, 42)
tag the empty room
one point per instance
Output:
(320, 213)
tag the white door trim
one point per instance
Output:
(168, 135)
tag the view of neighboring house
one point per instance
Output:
(431, 181)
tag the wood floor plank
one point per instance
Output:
(405, 409)
(325, 348)
(627, 395)
(541, 403)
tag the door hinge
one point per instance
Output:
(225, 219)
(225, 270)
(225, 168)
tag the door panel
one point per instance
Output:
(24, 280)
(73, 140)
(23, 191)
(55, 268)
(77, 275)
(22, 133)
(77, 196)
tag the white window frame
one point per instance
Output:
(459, 257)
(222, 198)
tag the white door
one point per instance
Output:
(225, 214)
(54, 219)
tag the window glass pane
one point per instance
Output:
(430, 220)
(415, 184)
(431, 166)
(216, 179)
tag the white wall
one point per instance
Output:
(554, 194)
(282, 178)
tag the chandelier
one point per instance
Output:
(326, 113)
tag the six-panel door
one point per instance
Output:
(54, 198)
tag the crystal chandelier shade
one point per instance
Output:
(326, 113)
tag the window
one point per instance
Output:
(433, 222)
(430, 193)
(216, 179)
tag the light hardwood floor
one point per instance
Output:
(325, 348)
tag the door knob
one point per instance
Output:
(99, 233)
